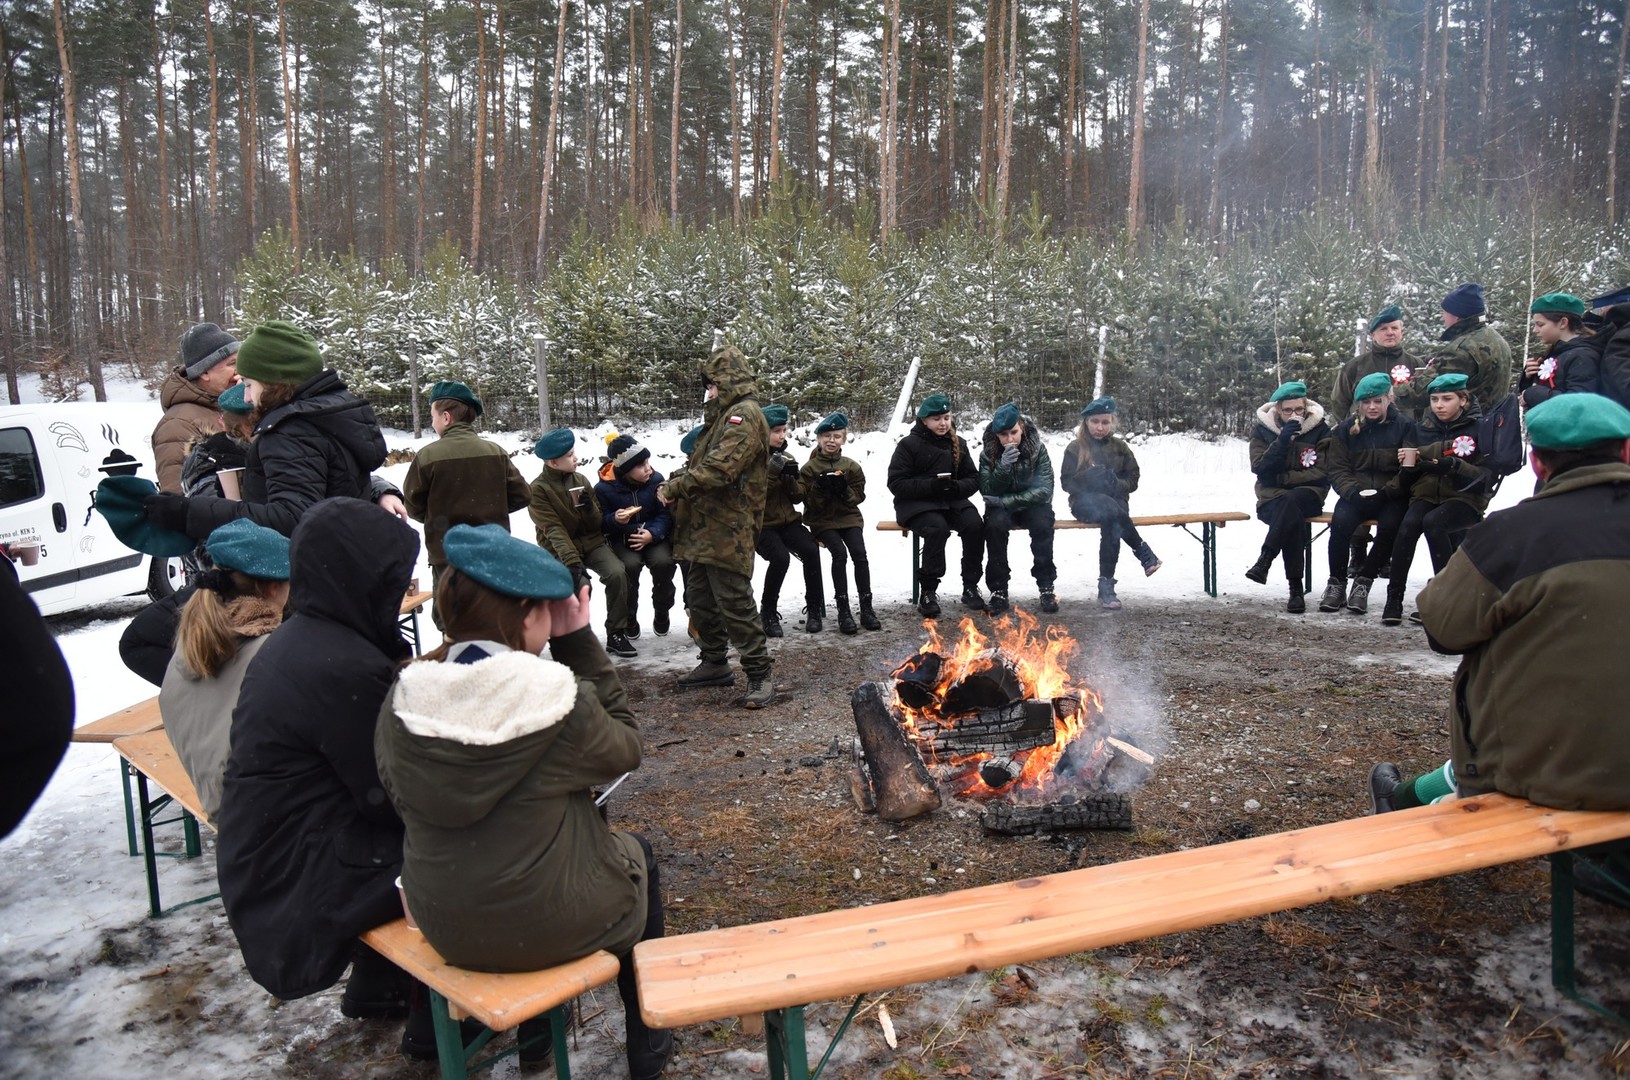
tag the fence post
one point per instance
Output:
(541, 345)
(1098, 375)
(413, 388)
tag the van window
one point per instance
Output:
(20, 475)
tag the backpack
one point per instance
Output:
(1499, 436)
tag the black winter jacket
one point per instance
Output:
(914, 471)
(321, 445)
(1367, 461)
(1451, 463)
(39, 714)
(309, 844)
(1568, 367)
(1613, 344)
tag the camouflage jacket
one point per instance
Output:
(723, 486)
(568, 527)
(1473, 348)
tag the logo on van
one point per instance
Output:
(68, 435)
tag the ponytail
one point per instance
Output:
(208, 636)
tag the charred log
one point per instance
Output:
(1101, 810)
(1012, 729)
(901, 782)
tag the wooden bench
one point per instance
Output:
(408, 615)
(1209, 524)
(779, 967)
(130, 720)
(500, 1002)
(151, 757)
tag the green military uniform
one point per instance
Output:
(722, 493)
(1473, 348)
(1395, 363)
(569, 529)
(461, 479)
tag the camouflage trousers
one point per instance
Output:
(724, 612)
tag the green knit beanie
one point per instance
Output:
(279, 352)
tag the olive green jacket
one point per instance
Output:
(461, 479)
(1395, 363)
(823, 511)
(566, 531)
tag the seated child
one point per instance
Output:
(1100, 473)
(1292, 479)
(932, 475)
(1363, 465)
(566, 514)
(1016, 479)
(834, 487)
(785, 535)
(637, 527)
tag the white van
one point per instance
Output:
(51, 459)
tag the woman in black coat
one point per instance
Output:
(932, 477)
(309, 843)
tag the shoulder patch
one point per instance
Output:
(734, 420)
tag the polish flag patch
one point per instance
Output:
(1463, 446)
(735, 420)
(1400, 373)
(1310, 457)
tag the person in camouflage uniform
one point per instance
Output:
(722, 492)
(1471, 347)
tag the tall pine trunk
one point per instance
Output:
(478, 160)
(549, 142)
(1134, 186)
(673, 125)
(1613, 125)
(291, 133)
(87, 304)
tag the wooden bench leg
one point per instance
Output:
(1563, 972)
(149, 856)
(785, 1044)
(130, 807)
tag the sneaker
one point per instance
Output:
(1358, 597)
(618, 645)
(708, 673)
(633, 630)
(760, 691)
(1049, 601)
(1335, 595)
(1393, 612)
(659, 622)
(1415, 617)
(1259, 570)
(928, 605)
(998, 602)
(972, 600)
(1106, 594)
(1384, 780)
(772, 623)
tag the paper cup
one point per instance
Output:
(406, 914)
(1409, 456)
(230, 486)
(27, 554)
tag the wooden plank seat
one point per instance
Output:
(408, 614)
(130, 720)
(1209, 524)
(779, 967)
(499, 1002)
(150, 756)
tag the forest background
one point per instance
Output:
(1207, 196)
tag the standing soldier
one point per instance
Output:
(208, 366)
(1385, 353)
(722, 491)
(461, 478)
(1471, 347)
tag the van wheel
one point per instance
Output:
(164, 577)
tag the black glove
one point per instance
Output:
(945, 487)
(167, 511)
(834, 485)
(789, 471)
(1290, 429)
(1102, 478)
(580, 578)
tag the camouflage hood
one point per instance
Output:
(728, 369)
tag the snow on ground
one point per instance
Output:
(73, 930)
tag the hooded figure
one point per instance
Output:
(309, 844)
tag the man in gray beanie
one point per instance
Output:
(208, 366)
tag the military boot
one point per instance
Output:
(1358, 597)
(813, 615)
(708, 673)
(1296, 604)
(1106, 594)
(846, 618)
(928, 601)
(1335, 595)
(972, 600)
(1259, 569)
(772, 621)
(760, 691)
(868, 618)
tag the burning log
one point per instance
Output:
(1098, 810)
(903, 786)
(1023, 725)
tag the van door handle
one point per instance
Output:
(59, 517)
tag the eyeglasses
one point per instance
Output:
(1293, 411)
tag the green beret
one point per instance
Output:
(1296, 389)
(120, 499)
(836, 422)
(1005, 418)
(1444, 384)
(250, 549)
(1102, 406)
(1372, 385)
(1390, 313)
(687, 445)
(232, 400)
(555, 444)
(1571, 421)
(1558, 303)
(776, 415)
(455, 391)
(933, 405)
(506, 564)
(279, 352)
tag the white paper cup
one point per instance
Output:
(406, 914)
(1409, 456)
(27, 554)
(230, 487)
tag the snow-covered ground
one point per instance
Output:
(111, 991)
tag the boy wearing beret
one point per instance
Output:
(1385, 354)
(566, 514)
(461, 478)
(1540, 588)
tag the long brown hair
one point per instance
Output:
(272, 396)
(208, 636)
(470, 611)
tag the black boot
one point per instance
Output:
(772, 621)
(868, 619)
(1393, 612)
(376, 989)
(1259, 569)
(846, 618)
(813, 615)
(1296, 605)
(928, 601)
(998, 602)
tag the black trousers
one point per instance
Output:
(1444, 525)
(659, 556)
(1388, 513)
(844, 545)
(999, 522)
(777, 544)
(627, 988)
(1288, 530)
(935, 527)
(1114, 521)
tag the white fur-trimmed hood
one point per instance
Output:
(486, 703)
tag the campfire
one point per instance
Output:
(996, 719)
